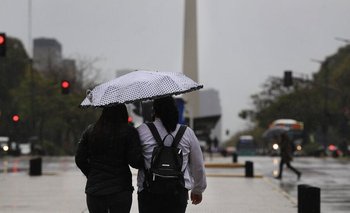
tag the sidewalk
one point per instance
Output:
(62, 191)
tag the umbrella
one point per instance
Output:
(275, 131)
(138, 86)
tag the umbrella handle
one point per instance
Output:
(89, 95)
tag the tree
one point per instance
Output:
(324, 100)
(12, 69)
(87, 73)
(55, 120)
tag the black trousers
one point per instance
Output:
(120, 202)
(160, 203)
(282, 162)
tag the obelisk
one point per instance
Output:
(190, 58)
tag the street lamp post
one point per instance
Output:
(30, 65)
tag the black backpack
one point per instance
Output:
(165, 175)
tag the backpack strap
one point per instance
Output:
(155, 133)
(178, 136)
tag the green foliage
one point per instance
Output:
(54, 119)
(12, 68)
(313, 149)
(321, 102)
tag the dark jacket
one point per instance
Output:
(107, 170)
(286, 150)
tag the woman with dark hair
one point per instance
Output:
(166, 122)
(105, 151)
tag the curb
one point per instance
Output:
(282, 192)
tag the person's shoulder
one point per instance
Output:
(87, 132)
(89, 128)
(188, 134)
(142, 127)
(188, 130)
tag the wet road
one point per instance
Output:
(330, 175)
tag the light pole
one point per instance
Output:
(30, 68)
(30, 28)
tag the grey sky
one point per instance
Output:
(241, 42)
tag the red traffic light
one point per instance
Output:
(130, 121)
(2, 39)
(2, 44)
(15, 118)
(65, 84)
(65, 87)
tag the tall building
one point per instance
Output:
(209, 119)
(69, 69)
(48, 59)
(47, 54)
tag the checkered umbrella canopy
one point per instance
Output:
(138, 86)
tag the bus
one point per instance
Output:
(246, 145)
(294, 129)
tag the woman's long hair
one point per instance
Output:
(166, 109)
(108, 125)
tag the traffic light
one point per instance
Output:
(130, 121)
(65, 87)
(288, 78)
(2, 44)
(15, 118)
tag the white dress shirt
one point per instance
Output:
(193, 166)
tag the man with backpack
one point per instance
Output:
(173, 161)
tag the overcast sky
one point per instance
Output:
(241, 42)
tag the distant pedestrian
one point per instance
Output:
(105, 151)
(193, 173)
(286, 156)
